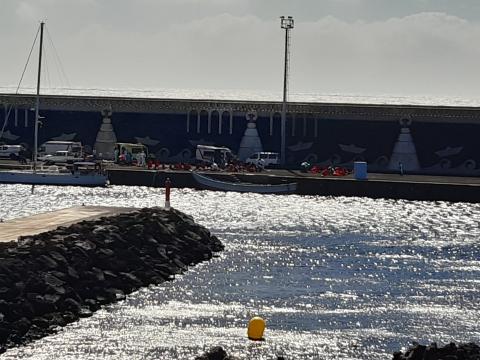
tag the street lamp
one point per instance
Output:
(287, 24)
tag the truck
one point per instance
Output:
(207, 154)
(121, 149)
(51, 147)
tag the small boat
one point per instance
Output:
(213, 184)
(82, 173)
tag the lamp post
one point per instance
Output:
(287, 24)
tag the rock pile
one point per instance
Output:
(451, 351)
(54, 278)
(217, 353)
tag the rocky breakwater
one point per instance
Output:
(55, 278)
(470, 351)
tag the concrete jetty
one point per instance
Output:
(388, 186)
(36, 224)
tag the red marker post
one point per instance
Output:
(168, 184)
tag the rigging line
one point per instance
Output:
(57, 58)
(47, 72)
(28, 59)
(19, 83)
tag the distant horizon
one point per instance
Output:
(256, 95)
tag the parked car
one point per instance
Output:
(11, 151)
(61, 156)
(265, 159)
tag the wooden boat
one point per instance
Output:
(212, 184)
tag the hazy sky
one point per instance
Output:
(415, 47)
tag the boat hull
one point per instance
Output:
(46, 178)
(213, 184)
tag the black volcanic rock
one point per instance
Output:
(54, 278)
(218, 353)
(215, 353)
(450, 351)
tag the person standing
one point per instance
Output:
(115, 155)
(141, 161)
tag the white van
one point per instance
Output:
(10, 151)
(269, 159)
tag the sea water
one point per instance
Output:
(253, 95)
(334, 277)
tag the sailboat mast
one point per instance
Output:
(37, 104)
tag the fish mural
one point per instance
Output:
(352, 148)
(9, 136)
(300, 146)
(147, 141)
(64, 137)
(449, 151)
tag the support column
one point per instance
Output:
(271, 124)
(220, 119)
(26, 118)
(16, 117)
(316, 126)
(209, 122)
(304, 125)
(293, 124)
(198, 122)
(188, 122)
(231, 122)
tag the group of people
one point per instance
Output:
(124, 157)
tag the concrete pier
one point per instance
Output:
(388, 186)
(30, 225)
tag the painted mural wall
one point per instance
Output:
(419, 147)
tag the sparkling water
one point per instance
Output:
(334, 277)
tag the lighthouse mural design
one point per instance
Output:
(404, 156)
(106, 138)
(250, 142)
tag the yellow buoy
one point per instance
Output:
(256, 327)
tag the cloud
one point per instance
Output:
(421, 53)
(26, 12)
(239, 44)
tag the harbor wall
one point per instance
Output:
(425, 139)
(390, 186)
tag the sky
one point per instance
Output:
(401, 47)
